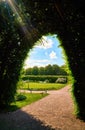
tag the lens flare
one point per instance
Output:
(22, 19)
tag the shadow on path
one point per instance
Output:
(20, 120)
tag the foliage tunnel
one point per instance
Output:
(22, 23)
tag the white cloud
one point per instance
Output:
(52, 55)
(41, 61)
(31, 63)
(45, 43)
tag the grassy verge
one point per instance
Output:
(30, 98)
(40, 86)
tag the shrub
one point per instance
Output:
(20, 97)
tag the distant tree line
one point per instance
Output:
(47, 70)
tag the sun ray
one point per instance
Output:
(22, 19)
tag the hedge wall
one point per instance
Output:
(50, 78)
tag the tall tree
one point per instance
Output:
(28, 71)
(41, 71)
(48, 70)
(35, 70)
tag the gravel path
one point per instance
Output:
(54, 112)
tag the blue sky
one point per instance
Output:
(45, 51)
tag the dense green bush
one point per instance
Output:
(20, 97)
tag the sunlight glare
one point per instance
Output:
(16, 10)
(22, 19)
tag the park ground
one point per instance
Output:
(53, 112)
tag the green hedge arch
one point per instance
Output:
(62, 17)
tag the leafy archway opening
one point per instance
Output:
(46, 53)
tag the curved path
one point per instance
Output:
(54, 112)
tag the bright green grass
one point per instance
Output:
(41, 86)
(30, 98)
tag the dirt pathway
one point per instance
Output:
(52, 112)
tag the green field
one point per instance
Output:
(30, 98)
(40, 86)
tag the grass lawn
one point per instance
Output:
(30, 98)
(40, 86)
